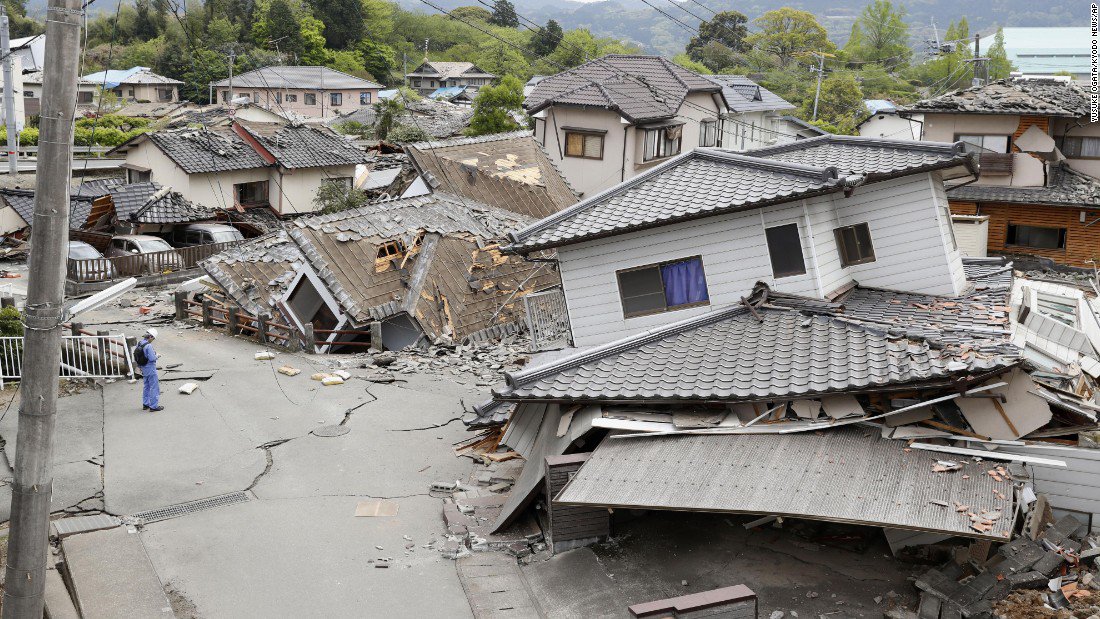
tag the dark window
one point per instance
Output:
(854, 244)
(1081, 147)
(1036, 237)
(83, 97)
(165, 94)
(311, 98)
(663, 142)
(663, 287)
(225, 96)
(278, 97)
(251, 193)
(364, 98)
(335, 98)
(785, 249)
(291, 98)
(585, 145)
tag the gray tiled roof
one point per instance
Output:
(313, 78)
(22, 202)
(842, 475)
(980, 319)
(640, 88)
(701, 183)
(729, 354)
(97, 187)
(988, 274)
(304, 146)
(152, 204)
(1066, 187)
(198, 151)
(148, 77)
(257, 271)
(448, 70)
(439, 119)
(875, 158)
(1045, 97)
(744, 95)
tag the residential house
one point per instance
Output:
(508, 171)
(432, 75)
(809, 217)
(31, 51)
(308, 92)
(753, 119)
(615, 117)
(243, 164)
(884, 121)
(137, 84)
(1037, 51)
(17, 210)
(794, 128)
(1040, 158)
(459, 95)
(86, 93)
(424, 267)
(437, 118)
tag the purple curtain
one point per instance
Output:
(684, 282)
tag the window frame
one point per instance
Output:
(585, 136)
(81, 96)
(1008, 142)
(291, 98)
(335, 99)
(1080, 139)
(657, 266)
(1063, 236)
(841, 244)
(661, 143)
(309, 98)
(704, 127)
(771, 257)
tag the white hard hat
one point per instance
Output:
(152, 332)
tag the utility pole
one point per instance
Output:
(232, 61)
(32, 485)
(820, 70)
(9, 95)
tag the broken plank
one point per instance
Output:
(989, 455)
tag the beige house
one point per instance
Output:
(244, 164)
(136, 84)
(613, 118)
(303, 92)
(431, 76)
(1040, 159)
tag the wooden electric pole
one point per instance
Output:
(32, 485)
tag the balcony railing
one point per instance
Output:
(141, 265)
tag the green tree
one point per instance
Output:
(504, 14)
(220, 32)
(207, 66)
(728, 28)
(344, 21)
(880, 35)
(379, 59)
(150, 22)
(789, 33)
(546, 39)
(841, 102)
(716, 57)
(500, 58)
(950, 69)
(280, 26)
(313, 42)
(999, 65)
(494, 107)
(386, 113)
(335, 196)
(686, 62)
(471, 13)
(403, 133)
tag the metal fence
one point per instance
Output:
(82, 356)
(547, 319)
(139, 265)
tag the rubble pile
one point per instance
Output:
(1050, 572)
(483, 362)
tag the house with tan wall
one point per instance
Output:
(610, 119)
(244, 165)
(136, 84)
(1040, 163)
(304, 92)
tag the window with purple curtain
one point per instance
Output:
(684, 282)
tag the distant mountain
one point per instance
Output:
(634, 21)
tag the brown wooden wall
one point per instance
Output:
(1082, 244)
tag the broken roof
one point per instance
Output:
(506, 170)
(1047, 97)
(738, 354)
(875, 158)
(207, 149)
(304, 146)
(436, 117)
(1066, 187)
(152, 204)
(842, 475)
(22, 202)
(256, 272)
(640, 88)
(298, 78)
(744, 95)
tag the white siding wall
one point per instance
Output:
(1072, 489)
(902, 214)
(909, 234)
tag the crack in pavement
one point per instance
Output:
(441, 425)
(267, 447)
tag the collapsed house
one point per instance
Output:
(792, 333)
(420, 267)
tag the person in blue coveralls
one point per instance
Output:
(146, 357)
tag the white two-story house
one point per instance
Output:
(613, 118)
(811, 218)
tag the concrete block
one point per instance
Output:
(112, 575)
(1027, 580)
(1050, 562)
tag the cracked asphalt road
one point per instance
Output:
(296, 548)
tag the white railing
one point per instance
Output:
(82, 356)
(547, 319)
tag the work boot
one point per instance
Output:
(144, 407)
(156, 408)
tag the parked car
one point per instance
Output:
(150, 255)
(98, 271)
(190, 235)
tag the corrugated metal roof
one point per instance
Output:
(843, 475)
